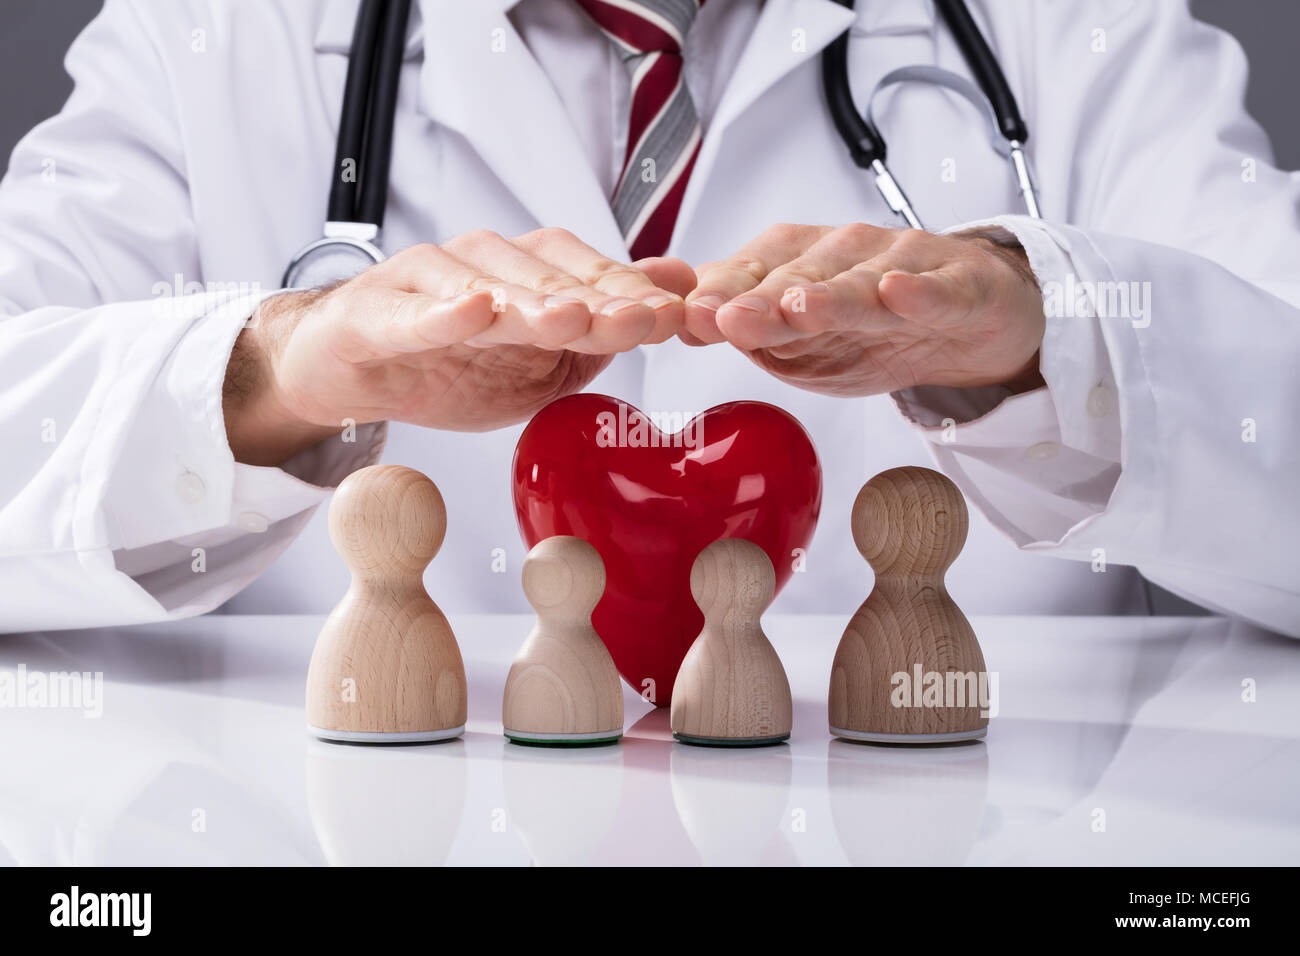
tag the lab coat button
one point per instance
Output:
(253, 522)
(191, 488)
(1101, 401)
(1042, 451)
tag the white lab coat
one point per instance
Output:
(197, 144)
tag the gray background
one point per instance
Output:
(35, 33)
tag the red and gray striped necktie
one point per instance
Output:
(663, 136)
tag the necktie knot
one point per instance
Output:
(644, 26)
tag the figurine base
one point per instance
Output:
(590, 739)
(875, 738)
(378, 737)
(730, 741)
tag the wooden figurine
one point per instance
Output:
(386, 668)
(731, 689)
(908, 668)
(563, 688)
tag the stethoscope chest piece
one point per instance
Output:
(338, 255)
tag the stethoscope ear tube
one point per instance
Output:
(937, 76)
(865, 144)
(993, 97)
(984, 65)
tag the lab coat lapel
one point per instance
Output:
(788, 34)
(480, 80)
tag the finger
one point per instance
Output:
(750, 323)
(393, 323)
(851, 299)
(848, 302)
(835, 252)
(571, 263)
(674, 275)
(720, 282)
(521, 315)
(617, 321)
(900, 287)
(791, 350)
(931, 298)
(791, 301)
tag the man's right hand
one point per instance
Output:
(472, 335)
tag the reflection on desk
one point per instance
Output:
(1117, 741)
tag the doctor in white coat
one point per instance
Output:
(160, 451)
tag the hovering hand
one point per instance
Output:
(474, 334)
(859, 310)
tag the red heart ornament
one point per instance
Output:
(649, 501)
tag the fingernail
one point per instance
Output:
(710, 302)
(615, 306)
(750, 303)
(559, 301)
(658, 300)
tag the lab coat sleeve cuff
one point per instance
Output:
(1073, 358)
(264, 495)
(1037, 463)
(176, 475)
(1012, 464)
(936, 405)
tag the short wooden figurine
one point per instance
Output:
(563, 688)
(731, 689)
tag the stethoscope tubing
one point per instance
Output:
(985, 68)
(383, 108)
(352, 116)
(866, 144)
(366, 119)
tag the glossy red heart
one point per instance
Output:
(650, 501)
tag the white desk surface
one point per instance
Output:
(201, 756)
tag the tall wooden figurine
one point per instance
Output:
(386, 668)
(908, 668)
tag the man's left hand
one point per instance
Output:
(859, 310)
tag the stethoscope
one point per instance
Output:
(359, 187)
(993, 97)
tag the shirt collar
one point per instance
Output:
(334, 32)
(339, 17)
